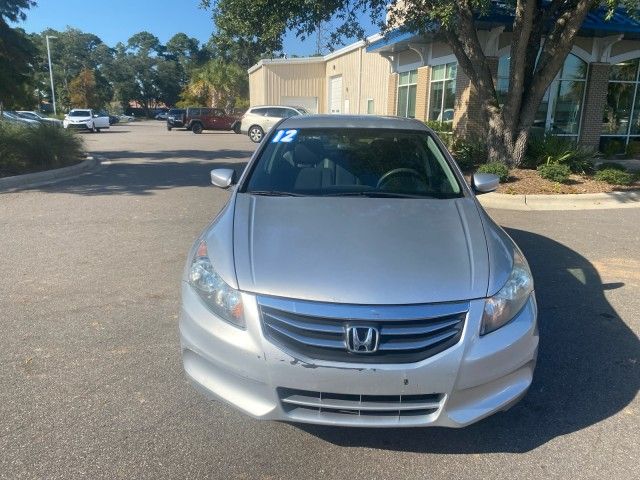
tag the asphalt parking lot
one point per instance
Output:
(91, 383)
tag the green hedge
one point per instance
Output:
(555, 172)
(26, 149)
(614, 176)
(497, 168)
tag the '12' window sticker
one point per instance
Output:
(284, 136)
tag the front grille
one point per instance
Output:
(407, 333)
(307, 405)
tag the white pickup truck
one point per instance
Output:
(85, 119)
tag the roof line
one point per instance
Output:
(329, 56)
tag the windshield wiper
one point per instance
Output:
(274, 193)
(378, 194)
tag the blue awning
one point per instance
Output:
(594, 25)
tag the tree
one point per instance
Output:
(543, 33)
(217, 83)
(16, 52)
(89, 90)
(82, 90)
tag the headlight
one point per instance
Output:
(224, 301)
(507, 303)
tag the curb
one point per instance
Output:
(48, 176)
(572, 201)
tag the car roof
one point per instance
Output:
(353, 121)
(273, 106)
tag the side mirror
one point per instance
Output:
(95, 115)
(485, 182)
(223, 177)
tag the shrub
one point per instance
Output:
(633, 149)
(25, 149)
(555, 172)
(614, 177)
(611, 166)
(612, 148)
(469, 153)
(439, 126)
(497, 168)
(558, 150)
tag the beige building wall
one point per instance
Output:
(293, 80)
(364, 77)
(422, 93)
(375, 75)
(392, 94)
(256, 87)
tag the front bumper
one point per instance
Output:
(473, 379)
(78, 126)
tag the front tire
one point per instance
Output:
(256, 133)
(168, 128)
(197, 129)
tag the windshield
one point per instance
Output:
(80, 113)
(352, 162)
(176, 112)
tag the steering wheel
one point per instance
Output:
(397, 171)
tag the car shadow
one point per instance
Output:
(151, 172)
(586, 372)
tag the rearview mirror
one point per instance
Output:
(222, 177)
(485, 182)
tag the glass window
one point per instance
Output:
(353, 162)
(370, 106)
(560, 110)
(621, 117)
(407, 88)
(442, 92)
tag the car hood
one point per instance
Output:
(360, 250)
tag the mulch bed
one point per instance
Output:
(529, 182)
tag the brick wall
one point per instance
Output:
(468, 119)
(422, 93)
(594, 103)
(392, 94)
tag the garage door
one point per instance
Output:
(308, 103)
(335, 94)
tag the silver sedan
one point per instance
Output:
(353, 279)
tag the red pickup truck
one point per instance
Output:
(199, 119)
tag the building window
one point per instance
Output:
(407, 87)
(442, 92)
(621, 122)
(370, 106)
(560, 110)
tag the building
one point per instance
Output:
(593, 100)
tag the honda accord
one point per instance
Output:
(353, 279)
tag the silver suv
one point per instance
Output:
(259, 120)
(354, 279)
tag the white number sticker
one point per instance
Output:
(285, 136)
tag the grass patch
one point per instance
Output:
(26, 149)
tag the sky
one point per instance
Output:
(116, 20)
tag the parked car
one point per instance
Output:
(199, 119)
(259, 120)
(161, 116)
(13, 117)
(354, 279)
(85, 119)
(126, 118)
(175, 118)
(31, 115)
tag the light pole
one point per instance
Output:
(53, 90)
